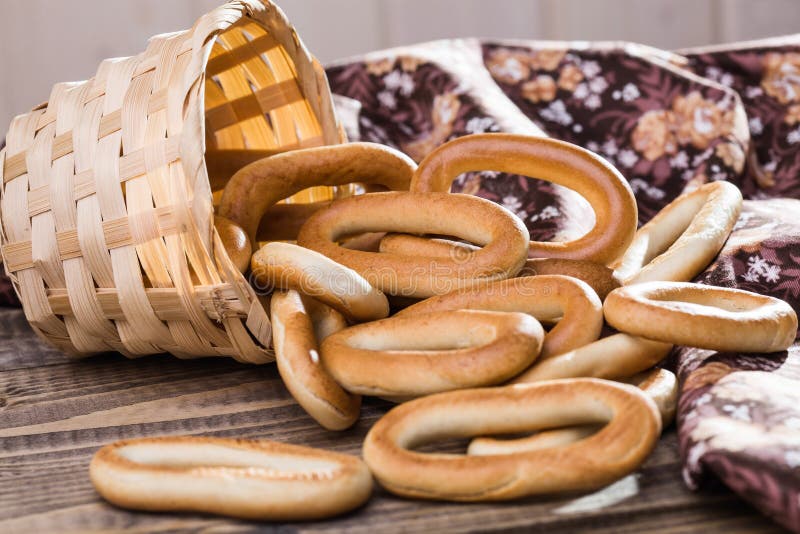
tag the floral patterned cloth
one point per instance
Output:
(669, 122)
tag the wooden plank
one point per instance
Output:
(53, 417)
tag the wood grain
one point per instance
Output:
(55, 413)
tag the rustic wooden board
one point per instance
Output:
(54, 413)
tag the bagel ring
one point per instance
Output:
(256, 187)
(684, 237)
(298, 325)
(617, 449)
(659, 384)
(289, 266)
(598, 276)
(706, 317)
(612, 358)
(432, 352)
(557, 162)
(547, 298)
(249, 479)
(502, 236)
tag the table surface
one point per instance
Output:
(56, 412)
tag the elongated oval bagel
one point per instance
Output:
(554, 161)
(684, 237)
(501, 235)
(659, 384)
(431, 352)
(614, 357)
(551, 297)
(257, 186)
(296, 343)
(598, 276)
(616, 450)
(289, 266)
(705, 317)
(249, 479)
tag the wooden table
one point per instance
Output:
(55, 413)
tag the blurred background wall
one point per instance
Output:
(47, 41)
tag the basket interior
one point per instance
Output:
(254, 107)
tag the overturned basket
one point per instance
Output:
(107, 189)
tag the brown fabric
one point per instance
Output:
(668, 122)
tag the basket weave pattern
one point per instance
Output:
(107, 189)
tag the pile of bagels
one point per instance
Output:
(441, 303)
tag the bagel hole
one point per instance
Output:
(553, 213)
(209, 455)
(708, 302)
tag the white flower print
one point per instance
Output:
(713, 73)
(627, 158)
(590, 69)
(751, 276)
(757, 264)
(610, 148)
(758, 267)
(679, 160)
(593, 146)
(557, 112)
(489, 175)
(705, 398)
(581, 92)
(741, 412)
(399, 81)
(387, 99)
(511, 203)
(756, 126)
(772, 273)
(480, 125)
(753, 91)
(598, 85)
(638, 184)
(792, 458)
(577, 128)
(793, 137)
(630, 92)
(592, 102)
(701, 157)
(547, 213)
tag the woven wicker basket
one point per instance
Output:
(107, 190)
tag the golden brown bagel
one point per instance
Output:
(614, 357)
(613, 452)
(259, 185)
(548, 298)
(554, 161)
(431, 352)
(237, 244)
(296, 343)
(501, 235)
(288, 266)
(706, 317)
(249, 479)
(282, 222)
(659, 384)
(598, 276)
(684, 237)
